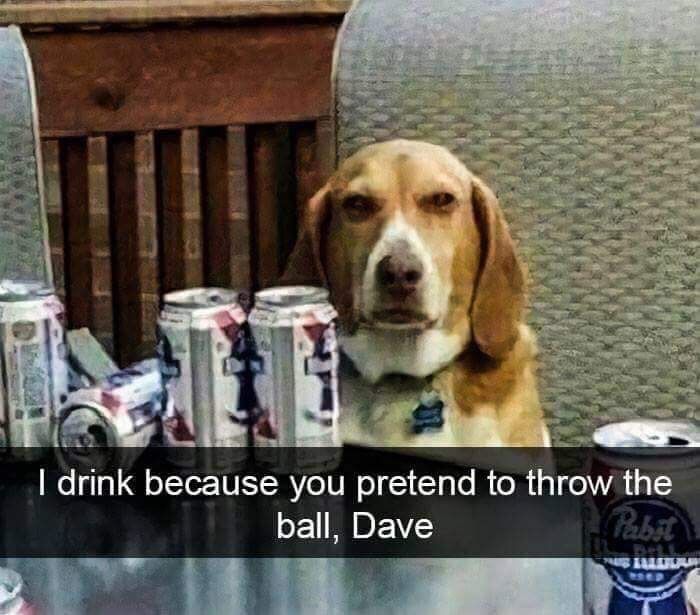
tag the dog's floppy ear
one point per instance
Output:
(499, 297)
(306, 263)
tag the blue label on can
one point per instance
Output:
(647, 546)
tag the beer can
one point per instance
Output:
(33, 368)
(11, 600)
(643, 551)
(296, 380)
(202, 347)
(108, 426)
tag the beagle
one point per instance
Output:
(430, 293)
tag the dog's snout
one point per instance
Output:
(400, 271)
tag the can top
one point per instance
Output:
(17, 290)
(84, 439)
(291, 296)
(200, 298)
(660, 437)
(10, 586)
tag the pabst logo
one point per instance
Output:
(648, 547)
(630, 524)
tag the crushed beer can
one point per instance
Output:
(643, 551)
(108, 426)
(33, 368)
(296, 380)
(203, 344)
(88, 361)
(11, 600)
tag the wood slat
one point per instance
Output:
(239, 208)
(215, 207)
(264, 209)
(101, 321)
(54, 211)
(169, 201)
(117, 11)
(192, 209)
(306, 164)
(325, 148)
(147, 227)
(78, 262)
(273, 201)
(286, 190)
(225, 207)
(169, 77)
(125, 248)
(179, 210)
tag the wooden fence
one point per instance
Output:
(177, 155)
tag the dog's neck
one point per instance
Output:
(376, 353)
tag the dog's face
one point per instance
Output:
(416, 253)
(398, 229)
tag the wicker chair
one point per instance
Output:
(582, 116)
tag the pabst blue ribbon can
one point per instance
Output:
(107, 427)
(11, 599)
(643, 551)
(203, 349)
(33, 368)
(296, 379)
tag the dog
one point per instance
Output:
(430, 293)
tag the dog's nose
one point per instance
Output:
(399, 272)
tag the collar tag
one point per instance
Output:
(428, 416)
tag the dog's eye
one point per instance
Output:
(359, 206)
(438, 200)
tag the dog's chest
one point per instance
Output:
(397, 411)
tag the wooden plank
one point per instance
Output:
(264, 206)
(78, 268)
(215, 207)
(169, 201)
(125, 248)
(117, 11)
(179, 210)
(101, 321)
(171, 77)
(307, 173)
(274, 221)
(239, 208)
(54, 211)
(286, 196)
(325, 148)
(225, 207)
(192, 209)
(147, 228)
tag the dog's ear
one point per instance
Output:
(306, 263)
(499, 297)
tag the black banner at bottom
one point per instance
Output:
(491, 502)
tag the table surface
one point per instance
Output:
(138, 586)
(406, 586)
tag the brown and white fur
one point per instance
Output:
(421, 266)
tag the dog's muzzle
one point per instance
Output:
(398, 282)
(400, 272)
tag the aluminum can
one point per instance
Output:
(202, 347)
(296, 380)
(33, 369)
(11, 600)
(642, 553)
(108, 426)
